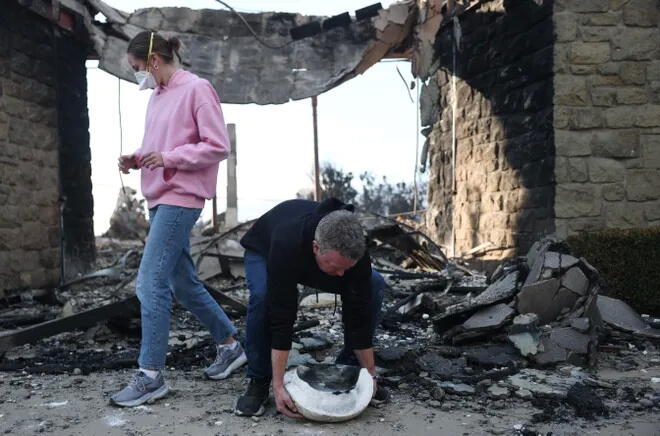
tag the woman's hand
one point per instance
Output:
(127, 162)
(152, 160)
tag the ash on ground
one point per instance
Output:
(533, 349)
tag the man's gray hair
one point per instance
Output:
(341, 231)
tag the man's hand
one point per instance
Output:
(127, 162)
(284, 403)
(152, 160)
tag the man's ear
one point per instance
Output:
(315, 247)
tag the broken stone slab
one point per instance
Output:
(392, 354)
(457, 388)
(575, 280)
(400, 360)
(550, 353)
(490, 318)
(493, 356)
(620, 315)
(544, 384)
(501, 290)
(559, 261)
(315, 343)
(496, 391)
(537, 298)
(565, 344)
(325, 299)
(547, 299)
(565, 299)
(296, 358)
(527, 343)
(440, 367)
(523, 394)
(537, 251)
(581, 324)
(651, 321)
(524, 322)
(570, 339)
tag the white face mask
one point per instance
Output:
(145, 80)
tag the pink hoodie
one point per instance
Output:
(184, 122)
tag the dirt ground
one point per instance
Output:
(78, 405)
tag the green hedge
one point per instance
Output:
(628, 260)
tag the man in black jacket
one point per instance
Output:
(320, 245)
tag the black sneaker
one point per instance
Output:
(253, 401)
(382, 396)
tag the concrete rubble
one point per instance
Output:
(619, 315)
(547, 302)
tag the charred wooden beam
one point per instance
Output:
(79, 320)
(224, 299)
(304, 325)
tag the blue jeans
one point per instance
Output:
(167, 268)
(258, 337)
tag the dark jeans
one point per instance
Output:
(258, 336)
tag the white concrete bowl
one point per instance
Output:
(329, 393)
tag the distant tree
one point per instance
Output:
(386, 198)
(380, 197)
(334, 183)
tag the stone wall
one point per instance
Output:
(504, 187)
(29, 161)
(607, 114)
(32, 135)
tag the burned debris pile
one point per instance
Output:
(535, 331)
(545, 304)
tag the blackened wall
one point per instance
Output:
(75, 156)
(502, 188)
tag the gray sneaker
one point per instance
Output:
(226, 361)
(140, 390)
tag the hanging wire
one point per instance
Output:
(417, 110)
(121, 134)
(405, 83)
(257, 37)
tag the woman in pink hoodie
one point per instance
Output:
(185, 138)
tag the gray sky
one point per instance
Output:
(366, 124)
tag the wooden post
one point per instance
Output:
(317, 175)
(231, 215)
(214, 219)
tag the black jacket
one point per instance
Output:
(284, 237)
